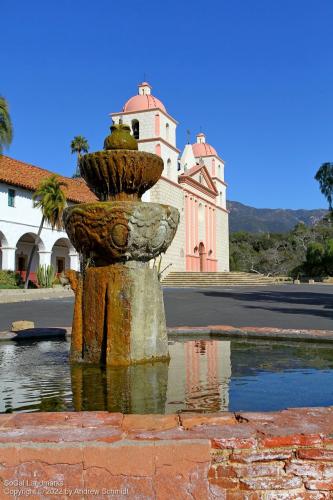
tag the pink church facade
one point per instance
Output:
(192, 181)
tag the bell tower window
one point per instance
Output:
(136, 129)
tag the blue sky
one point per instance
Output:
(257, 76)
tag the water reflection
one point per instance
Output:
(133, 389)
(205, 368)
(203, 375)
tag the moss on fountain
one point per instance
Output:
(119, 313)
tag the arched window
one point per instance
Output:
(221, 198)
(136, 129)
(201, 214)
(169, 168)
(167, 131)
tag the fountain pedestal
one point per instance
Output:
(123, 320)
(119, 314)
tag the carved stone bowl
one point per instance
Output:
(116, 231)
(120, 174)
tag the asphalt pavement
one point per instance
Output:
(277, 306)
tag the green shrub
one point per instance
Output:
(9, 279)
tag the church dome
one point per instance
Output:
(201, 148)
(143, 101)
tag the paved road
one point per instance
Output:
(285, 306)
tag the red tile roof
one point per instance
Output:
(18, 173)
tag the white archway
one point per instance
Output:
(3, 243)
(60, 257)
(24, 246)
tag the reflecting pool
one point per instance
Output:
(203, 375)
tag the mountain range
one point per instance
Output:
(273, 220)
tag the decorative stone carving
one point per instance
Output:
(119, 231)
(120, 174)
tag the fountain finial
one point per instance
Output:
(120, 138)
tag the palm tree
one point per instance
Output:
(79, 145)
(6, 129)
(51, 199)
(325, 178)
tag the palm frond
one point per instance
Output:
(51, 199)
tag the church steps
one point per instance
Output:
(204, 279)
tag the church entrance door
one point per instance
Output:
(202, 255)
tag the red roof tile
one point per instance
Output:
(18, 173)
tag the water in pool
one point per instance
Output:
(203, 375)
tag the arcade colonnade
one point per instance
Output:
(54, 247)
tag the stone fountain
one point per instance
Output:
(119, 314)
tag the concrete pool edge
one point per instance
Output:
(286, 454)
(212, 330)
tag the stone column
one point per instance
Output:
(123, 321)
(74, 261)
(44, 258)
(8, 258)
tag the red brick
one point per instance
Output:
(242, 495)
(254, 456)
(295, 495)
(220, 456)
(290, 440)
(262, 470)
(189, 420)
(227, 483)
(124, 459)
(216, 491)
(306, 469)
(65, 419)
(225, 471)
(326, 485)
(238, 443)
(315, 454)
(274, 483)
(212, 473)
(137, 423)
(327, 471)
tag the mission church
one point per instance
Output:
(192, 181)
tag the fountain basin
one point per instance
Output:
(120, 231)
(121, 174)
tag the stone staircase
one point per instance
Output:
(208, 279)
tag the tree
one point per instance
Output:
(6, 129)
(51, 199)
(79, 145)
(325, 178)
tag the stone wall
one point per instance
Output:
(170, 194)
(251, 456)
(222, 240)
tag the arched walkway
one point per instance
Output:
(22, 254)
(60, 257)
